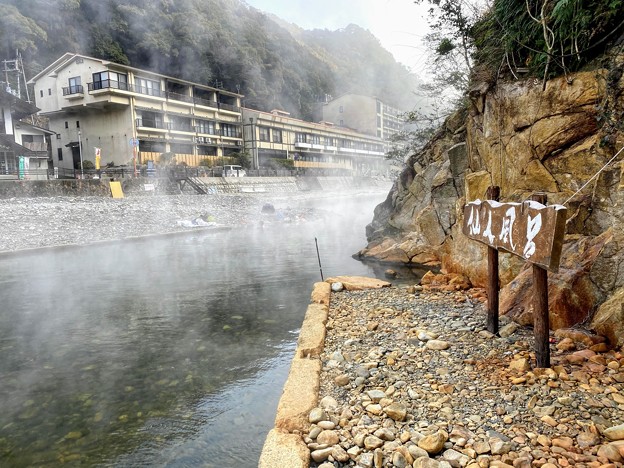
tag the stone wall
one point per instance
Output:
(524, 138)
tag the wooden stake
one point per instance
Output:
(493, 193)
(541, 325)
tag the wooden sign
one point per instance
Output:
(530, 230)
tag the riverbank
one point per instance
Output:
(410, 377)
(36, 222)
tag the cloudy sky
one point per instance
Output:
(398, 24)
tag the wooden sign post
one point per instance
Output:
(529, 230)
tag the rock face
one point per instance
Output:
(524, 139)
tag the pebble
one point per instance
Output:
(425, 388)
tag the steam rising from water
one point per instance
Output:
(166, 346)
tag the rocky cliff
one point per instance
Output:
(525, 137)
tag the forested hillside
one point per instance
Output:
(218, 42)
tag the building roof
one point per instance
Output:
(69, 57)
(19, 107)
(7, 142)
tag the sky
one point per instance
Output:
(398, 24)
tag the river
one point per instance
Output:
(167, 351)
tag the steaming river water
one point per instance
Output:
(163, 352)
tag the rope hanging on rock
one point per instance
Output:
(594, 176)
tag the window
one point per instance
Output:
(75, 85)
(49, 91)
(205, 126)
(264, 134)
(315, 139)
(41, 93)
(150, 119)
(145, 86)
(58, 136)
(77, 123)
(66, 124)
(329, 141)
(300, 137)
(277, 135)
(341, 110)
(108, 79)
(229, 131)
(59, 153)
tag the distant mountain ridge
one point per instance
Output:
(226, 43)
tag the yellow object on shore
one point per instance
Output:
(115, 188)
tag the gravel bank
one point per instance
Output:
(50, 221)
(413, 379)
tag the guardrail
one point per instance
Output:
(122, 172)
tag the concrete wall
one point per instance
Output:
(215, 185)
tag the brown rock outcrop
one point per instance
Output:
(524, 139)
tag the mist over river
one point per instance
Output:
(168, 351)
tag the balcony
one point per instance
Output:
(73, 92)
(109, 84)
(179, 97)
(181, 127)
(153, 124)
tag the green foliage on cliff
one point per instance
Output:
(547, 37)
(216, 42)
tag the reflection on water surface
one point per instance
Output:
(169, 351)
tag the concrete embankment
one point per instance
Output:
(211, 185)
(284, 445)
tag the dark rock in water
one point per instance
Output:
(268, 208)
(390, 273)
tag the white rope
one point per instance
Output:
(595, 175)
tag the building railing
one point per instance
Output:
(74, 89)
(151, 124)
(179, 97)
(106, 84)
(122, 85)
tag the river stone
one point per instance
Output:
(328, 402)
(438, 345)
(398, 460)
(454, 457)
(587, 439)
(521, 364)
(610, 452)
(481, 447)
(396, 411)
(544, 410)
(376, 395)
(342, 380)
(314, 432)
(508, 330)
(384, 434)
(433, 443)
(339, 454)
(378, 457)
(316, 415)
(337, 286)
(366, 460)
(327, 425)
(416, 452)
(371, 442)
(615, 432)
(321, 454)
(426, 462)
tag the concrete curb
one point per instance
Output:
(283, 445)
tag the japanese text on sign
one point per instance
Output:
(530, 230)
